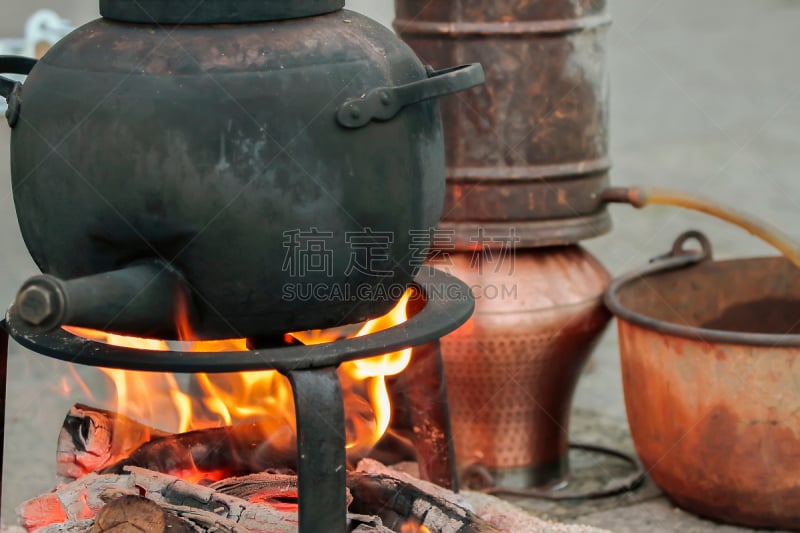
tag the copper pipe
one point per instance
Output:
(641, 197)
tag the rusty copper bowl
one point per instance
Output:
(712, 383)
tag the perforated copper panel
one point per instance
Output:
(510, 399)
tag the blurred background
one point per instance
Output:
(705, 97)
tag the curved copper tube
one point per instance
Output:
(640, 197)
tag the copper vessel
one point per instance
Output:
(527, 158)
(530, 148)
(709, 366)
(512, 368)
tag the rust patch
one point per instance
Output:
(707, 432)
(533, 141)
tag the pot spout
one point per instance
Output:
(142, 299)
(10, 89)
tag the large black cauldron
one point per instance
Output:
(278, 155)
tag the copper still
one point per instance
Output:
(530, 149)
(527, 161)
(512, 368)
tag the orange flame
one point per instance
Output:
(413, 526)
(264, 397)
(366, 427)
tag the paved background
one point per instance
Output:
(705, 97)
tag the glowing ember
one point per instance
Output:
(413, 526)
(265, 397)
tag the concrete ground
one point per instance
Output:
(705, 97)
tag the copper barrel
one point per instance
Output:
(530, 148)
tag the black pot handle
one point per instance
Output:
(10, 89)
(383, 103)
(13, 65)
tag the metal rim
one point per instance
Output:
(519, 27)
(679, 258)
(531, 233)
(213, 11)
(614, 487)
(449, 303)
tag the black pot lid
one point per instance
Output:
(213, 11)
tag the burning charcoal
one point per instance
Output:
(134, 513)
(72, 505)
(501, 514)
(276, 490)
(92, 438)
(95, 440)
(69, 503)
(367, 524)
(79, 526)
(363, 528)
(397, 498)
(368, 466)
(209, 454)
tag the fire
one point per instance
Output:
(369, 374)
(213, 400)
(413, 526)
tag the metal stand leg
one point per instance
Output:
(321, 459)
(426, 398)
(3, 377)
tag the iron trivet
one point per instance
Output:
(317, 392)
